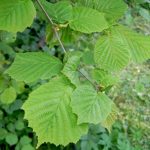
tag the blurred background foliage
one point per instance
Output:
(132, 94)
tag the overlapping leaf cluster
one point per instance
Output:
(61, 110)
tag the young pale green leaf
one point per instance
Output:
(113, 10)
(111, 118)
(111, 53)
(7, 37)
(104, 78)
(16, 15)
(60, 12)
(32, 66)
(8, 96)
(87, 20)
(90, 106)
(138, 44)
(49, 113)
(70, 68)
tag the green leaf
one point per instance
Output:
(87, 20)
(11, 127)
(60, 12)
(19, 86)
(11, 138)
(111, 118)
(113, 10)
(90, 106)
(70, 67)
(138, 44)
(8, 96)
(16, 15)
(6, 49)
(32, 66)
(114, 50)
(25, 140)
(104, 78)
(111, 52)
(49, 113)
(3, 133)
(19, 124)
(3, 83)
(1, 114)
(28, 147)
(7, 37)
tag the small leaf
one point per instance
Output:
(6, 49)
(18, 86)
(32, 66)
(87, 20)
(70, 68)
(8, 96)
(19, 124)
(11, 138)
(49, 113)
(25, 140)
(3, 83)
(11, 127)
(104, 78)
(111, 118)
(3, 133)
(7, 37)
(16, 15)
(90, 106)
(1, 114)
(28, 147)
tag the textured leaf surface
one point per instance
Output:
(60, 12)
(70, 68)
(16, 15)
(89, 105)
(7, 37)
(49, 113)
(104, 78)
(32, 66)
(87, 20)
(138, 44)
(111, 118)
(113, 10)
(8, 96)
(111, 52)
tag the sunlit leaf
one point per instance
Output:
(90, 106)
(87, 20)
(16, 15)
(31, 66)
(49, 113)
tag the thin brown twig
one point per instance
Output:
(58, 38)
(53, 25)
